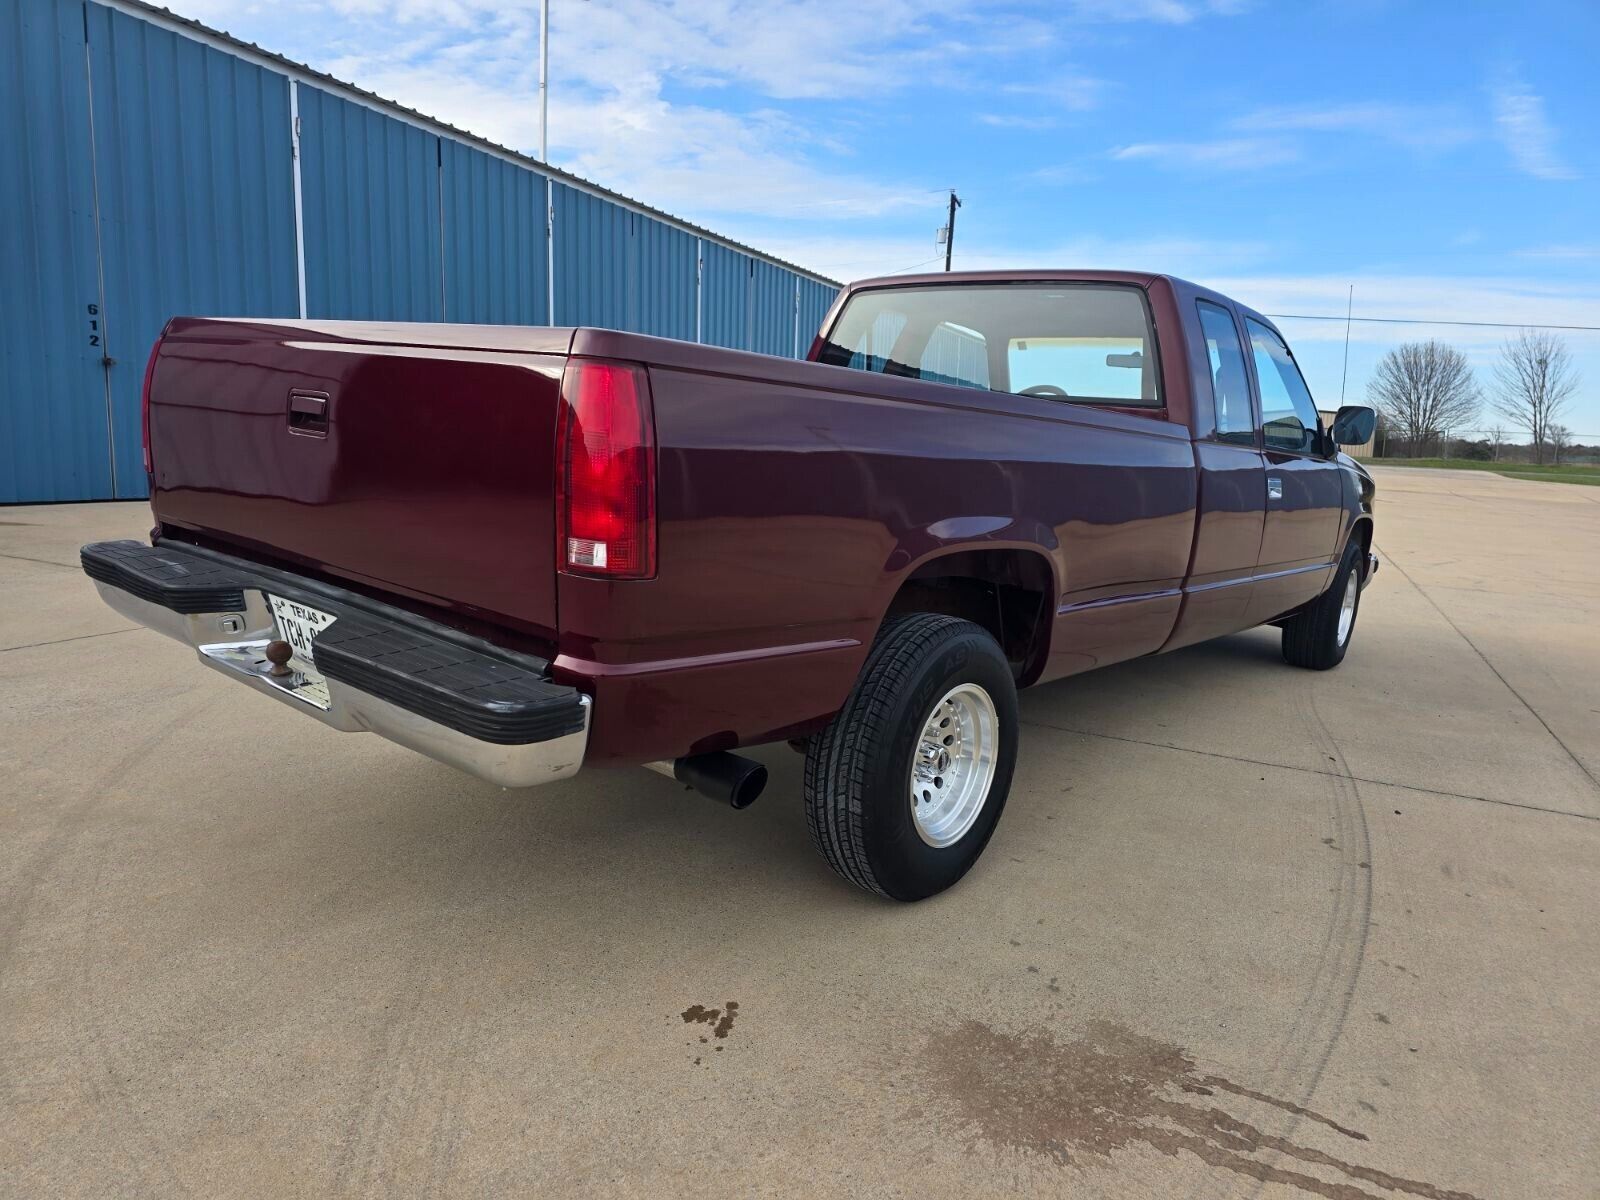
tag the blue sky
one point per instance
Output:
(1443, 157)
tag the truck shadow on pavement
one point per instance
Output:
(1111, 1089)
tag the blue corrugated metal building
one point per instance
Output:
(150, 166)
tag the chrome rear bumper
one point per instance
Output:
(537, 736)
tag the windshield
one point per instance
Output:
(1087, 343)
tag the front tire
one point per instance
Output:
(1318, 636)
(906, 784)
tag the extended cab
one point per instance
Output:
(526, 551)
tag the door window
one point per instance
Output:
(955, 354)
(874, 343)
(1288, 417)
(1230, 385)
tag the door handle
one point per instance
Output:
(308, 413)
(1274, 487)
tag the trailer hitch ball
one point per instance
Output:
(278, 654)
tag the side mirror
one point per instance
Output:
(1354, 425)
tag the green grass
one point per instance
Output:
(1565, 473)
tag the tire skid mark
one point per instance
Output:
(1080, 1101)
(1278, 766)
(1583, 767)
(68, 827)
(415, 1076)
(93, 1043)
(1346, 949)
(82, 637)
(513, 820)
(1320, 1018)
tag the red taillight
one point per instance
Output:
(144, 405)
(606, 502)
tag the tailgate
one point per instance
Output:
(415, 458)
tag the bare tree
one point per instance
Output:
(1424, 389)
(1497, 438)
(1533, 381)
(1560, 441)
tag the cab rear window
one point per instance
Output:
(1084, 343)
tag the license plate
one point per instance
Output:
(299, 624)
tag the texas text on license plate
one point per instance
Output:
(299, 624)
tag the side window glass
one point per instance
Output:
(956, 355)
(872, 349)
(1288, 417)
(1230, 386)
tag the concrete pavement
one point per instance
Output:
(1243, 931)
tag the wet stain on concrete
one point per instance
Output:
(1112, 1088)
(720, 1019)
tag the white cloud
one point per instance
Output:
(785, 49)
(1223, 154)
(688, 159)
(1016, 121)
(1075, 93)
(1058, 174)
(1519, 117)
(636, 89)
(1563, 251)
(1171, 12)
(1420, 126)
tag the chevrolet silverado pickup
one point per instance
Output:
(525, 551)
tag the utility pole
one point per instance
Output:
(950, 229)
(544, 81)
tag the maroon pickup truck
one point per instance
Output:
(525, 551)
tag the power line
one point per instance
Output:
(923, 263)
(1432, 321)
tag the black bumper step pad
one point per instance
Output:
(184, 583)
(490, 694)
(478, 695)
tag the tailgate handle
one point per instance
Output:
(308, 413)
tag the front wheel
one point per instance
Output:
(905, 785)
(1318, 636)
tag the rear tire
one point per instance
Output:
(906, 784)
(1318, 636)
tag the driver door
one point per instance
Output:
(1304, 486)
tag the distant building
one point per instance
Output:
(1362, 451)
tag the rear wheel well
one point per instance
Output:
(1003, 591)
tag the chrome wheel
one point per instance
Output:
(954, 764)
(1347, 608)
